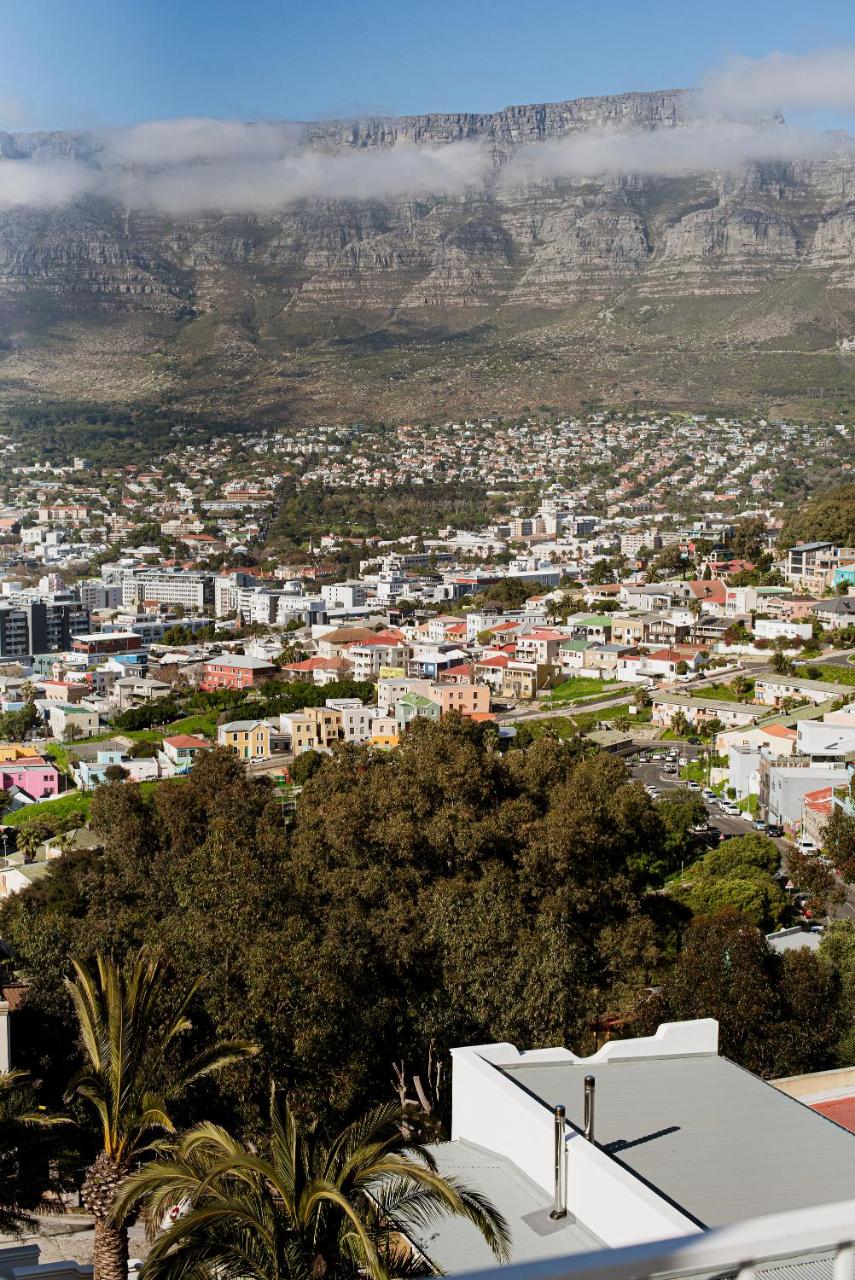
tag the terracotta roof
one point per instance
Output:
(714, 590)
(779, 731)
(819, 801)
(186, 740)
(840, 1110)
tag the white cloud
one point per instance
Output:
(823, 80)
(189, 166)
(45, 185)
(713, 145)
(192, 139)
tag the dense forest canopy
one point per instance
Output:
(441, 894)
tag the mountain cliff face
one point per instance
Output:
(714, 288)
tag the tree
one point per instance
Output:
(679, 723)
(827, 517)
(780, 663)
(307, 1207)
(29, 1180)
(775, 1017)
(116, 773)
(838, 842)
(134, 1073)
(29, 839)
(837, 953)
(749, 538)
(305, 765)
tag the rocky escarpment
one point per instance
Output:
(599, 286)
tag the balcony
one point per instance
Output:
(811, 1244)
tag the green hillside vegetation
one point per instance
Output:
(827, 517)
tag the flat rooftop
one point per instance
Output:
(717, 1142)
(455, 1245)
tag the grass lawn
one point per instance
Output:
(836, 675)
(581, 687)
(726, 693)
(73, 803)
(204, 724)
(58, 752)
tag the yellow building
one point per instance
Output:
(313, 728)
(249, 739)
(12, 751)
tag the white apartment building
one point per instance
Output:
(193, 591)
(345, 595)
(356, 718)
(96, 594)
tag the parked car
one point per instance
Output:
(804, 844)
(758, 824)
(692, 785)
(774, 830)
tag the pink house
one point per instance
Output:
(37, 777)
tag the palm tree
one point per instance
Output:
(28, 1181)
(133, 1073)
(29, 839)
(679, 723)
(303, 1209)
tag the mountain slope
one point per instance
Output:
(715, 288)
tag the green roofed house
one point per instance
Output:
(594, 626)
(411, 706)
(571, 655)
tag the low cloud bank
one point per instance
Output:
(692, 148)
(190, 166)
(187, 167)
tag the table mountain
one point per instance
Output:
(713, 288)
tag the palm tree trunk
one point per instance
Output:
(103, 1179)
(111, 1251)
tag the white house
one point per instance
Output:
(650, 1142)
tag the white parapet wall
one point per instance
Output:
(490, 1110)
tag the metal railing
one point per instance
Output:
(742, 1251)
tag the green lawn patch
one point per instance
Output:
(836, 675)
(74, 803)
(581, 687)
(726, 692)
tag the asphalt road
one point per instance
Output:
(527, 712)
(653, 775)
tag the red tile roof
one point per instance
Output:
(186, 740)
(840, 1110)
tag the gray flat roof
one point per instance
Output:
(456, 1246)
(715, 1140)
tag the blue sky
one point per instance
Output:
(93, 63)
